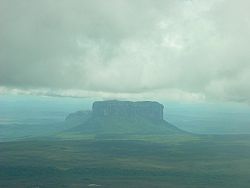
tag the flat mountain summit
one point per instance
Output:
(119, 118)
(144, 109)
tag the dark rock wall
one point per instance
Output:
(146, 109)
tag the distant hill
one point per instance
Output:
(77, 118)
(120, 118)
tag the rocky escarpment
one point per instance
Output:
(146, 109)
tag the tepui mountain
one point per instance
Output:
(117, 118)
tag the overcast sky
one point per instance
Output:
(182, 50)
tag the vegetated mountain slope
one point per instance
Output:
(125, 125)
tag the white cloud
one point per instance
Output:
(176, 50)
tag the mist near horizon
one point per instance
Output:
(202, 118)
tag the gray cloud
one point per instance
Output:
(182, 50)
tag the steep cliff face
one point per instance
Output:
(146, 109)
